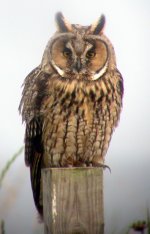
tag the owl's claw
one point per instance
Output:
(101, 165)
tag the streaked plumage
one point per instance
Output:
(71, 102)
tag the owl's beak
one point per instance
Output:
(78, 65)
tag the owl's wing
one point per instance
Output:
(33, 158)
(27, 105)
(33, 95)
(30, 110)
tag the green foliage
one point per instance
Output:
(148, 221)
(2, 175)
(2, 227)
(139, 226)
(8, 164)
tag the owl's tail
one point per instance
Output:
(35, 173)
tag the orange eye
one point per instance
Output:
(67, 52)
(90, 54)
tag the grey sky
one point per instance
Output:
(25, 28)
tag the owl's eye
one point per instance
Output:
(67, 52)
(91, 54)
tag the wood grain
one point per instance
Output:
(73, 200)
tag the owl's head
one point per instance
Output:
(79, 52)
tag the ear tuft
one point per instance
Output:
(62, 23)
(98, 26)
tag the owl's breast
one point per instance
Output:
(77, 126)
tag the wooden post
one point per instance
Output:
(73, 200)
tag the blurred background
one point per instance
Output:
(25, 28)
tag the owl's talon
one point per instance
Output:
(107, 167)
(101, 165)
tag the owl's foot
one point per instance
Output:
(87, 164)
(96, 164)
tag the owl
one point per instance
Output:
(71, 102)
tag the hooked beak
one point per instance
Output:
(78, 65)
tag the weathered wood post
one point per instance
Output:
(73, 200)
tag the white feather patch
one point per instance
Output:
(101, 72)
(58, 69)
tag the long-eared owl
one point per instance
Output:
(71, 102)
